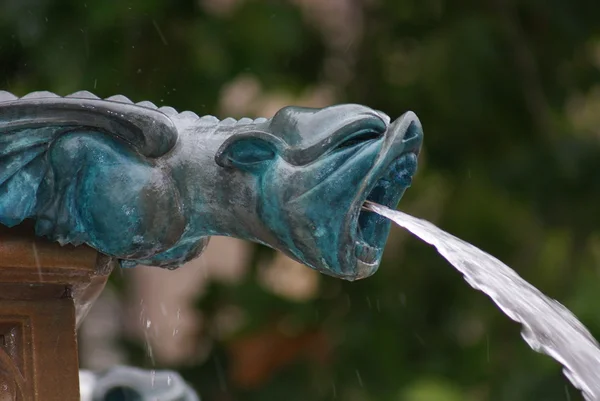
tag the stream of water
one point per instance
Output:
(548, 327)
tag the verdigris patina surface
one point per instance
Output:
(149, 185)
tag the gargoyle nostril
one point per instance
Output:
(412, 132)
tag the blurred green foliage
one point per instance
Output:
(507, 91)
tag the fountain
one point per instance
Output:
(119, 183)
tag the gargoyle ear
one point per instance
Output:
(248, 153)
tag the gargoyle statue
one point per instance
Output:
(149, 185)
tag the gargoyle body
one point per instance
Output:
(149, 185)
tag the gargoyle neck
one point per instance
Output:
(216, 200)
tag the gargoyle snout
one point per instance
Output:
(407, 129)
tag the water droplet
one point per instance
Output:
(359, 378)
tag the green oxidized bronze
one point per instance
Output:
(149, 185)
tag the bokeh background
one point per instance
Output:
(508, 92)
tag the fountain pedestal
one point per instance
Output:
(45, 292)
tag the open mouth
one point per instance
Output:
(371, 229)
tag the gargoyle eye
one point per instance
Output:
(358, 138)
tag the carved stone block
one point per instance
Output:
(45, 290)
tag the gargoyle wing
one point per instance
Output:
(31, 125)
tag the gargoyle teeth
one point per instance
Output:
(402, 169)
(365, 252)
(405, 178)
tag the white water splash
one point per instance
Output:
(548, 327)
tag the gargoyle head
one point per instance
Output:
(313, 170)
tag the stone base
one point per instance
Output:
(45, 292)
